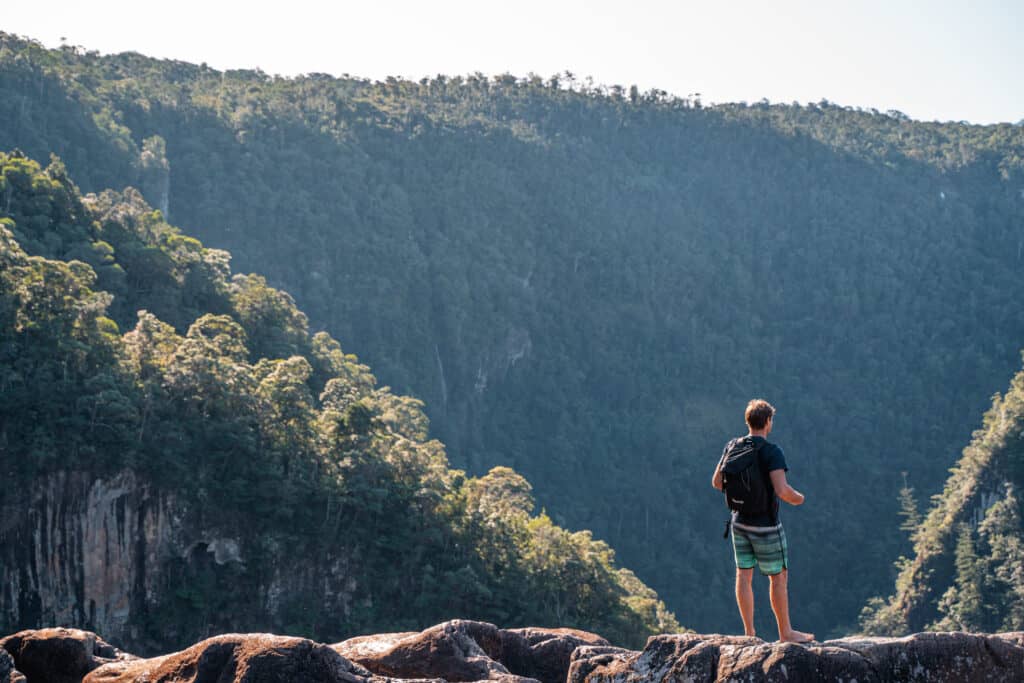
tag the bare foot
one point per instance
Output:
(750, 634)
(797, 637)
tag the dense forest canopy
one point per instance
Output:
(217, 393)
(588, 283)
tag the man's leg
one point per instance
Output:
(745, 598)
(780, 605)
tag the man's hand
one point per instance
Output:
(716, 479)
(783, 490)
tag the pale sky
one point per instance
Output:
(931, 59)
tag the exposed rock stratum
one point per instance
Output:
(463, 651)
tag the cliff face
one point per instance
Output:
(114, 554)
(86, 551)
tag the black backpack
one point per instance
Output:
(743, 482)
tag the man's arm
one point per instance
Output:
(782, 488)
(716, 478)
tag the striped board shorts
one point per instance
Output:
(764, 546)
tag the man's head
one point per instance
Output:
(759, 415)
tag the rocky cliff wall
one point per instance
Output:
(85, 551)
(118, 556)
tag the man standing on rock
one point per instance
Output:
(752, 473)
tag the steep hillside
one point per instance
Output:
(588, 284)
(967, 569)
(217, 468)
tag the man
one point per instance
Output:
(758, 538)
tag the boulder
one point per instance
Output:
(58, 655)
(788, 661)
(462, 650)
(587, 660)
(543, 654)
(456, 651)
(368, 648)
(238, 658)
(941, 657)
(932, 657)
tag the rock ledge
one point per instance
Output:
(932, 657)
(463, 651)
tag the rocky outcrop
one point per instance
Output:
(57, 655)
(932, 657)
(544, 654)
(470, 651)
(238, 658)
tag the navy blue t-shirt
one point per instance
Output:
(770, 457)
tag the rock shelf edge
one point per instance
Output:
(462, 651)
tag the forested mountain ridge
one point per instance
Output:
(966, 572)
(588, 284)
(218, 468)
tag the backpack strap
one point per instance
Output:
(773, 512)
(721, 462)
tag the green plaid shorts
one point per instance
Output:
(761, 546)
